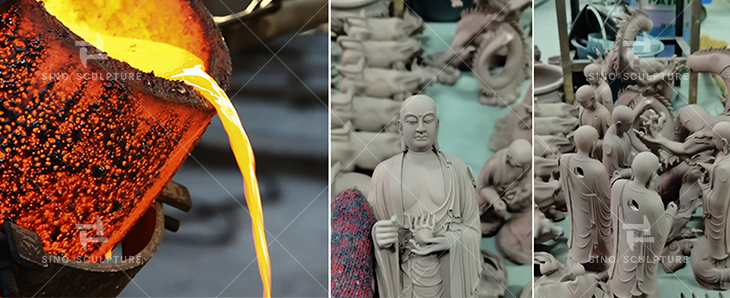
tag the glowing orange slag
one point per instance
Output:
(177, 64)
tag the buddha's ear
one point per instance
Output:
(436, 138)
(403, 147)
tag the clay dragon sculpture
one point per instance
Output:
(487, 38)
(623, 64)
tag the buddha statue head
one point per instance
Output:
(585, 138)
(418, 125)
(586, 96)
(721, 133)
(623, 119)
(519, 153)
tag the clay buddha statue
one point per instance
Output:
(500, 181)
(641, 228)
(715, 186)
(594, 76)
(619, 143)
(587, 194)
(427, 231)
(592, 112)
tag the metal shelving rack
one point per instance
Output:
(681, 48)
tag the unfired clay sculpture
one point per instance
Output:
(557, 144)
(427, 229)
(343, 9)
(383, 28)
(711, 255)
(587, 192)
(382, 54)
(498, 183)
(494, 276)
(349, 149)
(641, 100)
(364, 113)
(560, 281)
(554, 125)
(561, 109)
(623, 64)
(514, 239)
(346, 180)
(545, 229)
(485, 40)
(592, 112)
(594, 75)
(619, 142)
(389, 83)
(513, 126)
(639, 216)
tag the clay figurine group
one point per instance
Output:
(630, 174)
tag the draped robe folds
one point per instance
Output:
(634, 272)
(715, 207)
(616, 152)
(461, 221)
(589, 207)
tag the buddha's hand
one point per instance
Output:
(386, 232)
(433, 244)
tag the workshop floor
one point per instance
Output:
(715, 25)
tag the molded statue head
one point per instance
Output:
(592, 73)
(644, 166)
(519, 153)
(586, 96)
(721, 133)
(585, 138)
(623, 119)
(418, 125)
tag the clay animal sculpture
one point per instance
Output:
(623, 64)
(587, 194)
(514, 239)
(364, 113)
(344, 9)
(545, 229)
(556, 144)
(352, 258)
(380, 54)
(638, 212)
(499, 183)
(560, 281)
(554, 125)
(349, 148)
(389, 83)
(711, 255)
(424, 202)
(494, 276)
(561, 109)
(383, 29)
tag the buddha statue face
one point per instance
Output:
(418, 124)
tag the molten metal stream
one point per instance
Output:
(177, 64)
